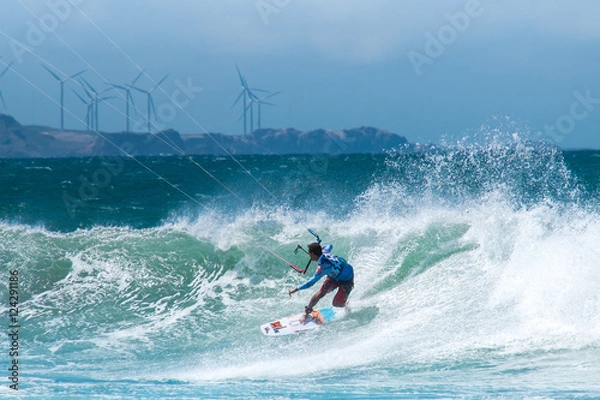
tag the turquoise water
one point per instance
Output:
(476, 275)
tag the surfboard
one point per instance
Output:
(292, 325)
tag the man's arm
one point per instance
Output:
(318, 275)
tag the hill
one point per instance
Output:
(18, 141)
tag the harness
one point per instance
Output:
(338, 264)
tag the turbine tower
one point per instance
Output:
(249, 99)
(128, 97)
(96, 99)
(150, 102)
(262, 101)
(244, 93)
(1, 75)
(62, 92)
(90, 110)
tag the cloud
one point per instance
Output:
(334, 29)
(356, 31)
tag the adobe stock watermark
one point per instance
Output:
(437, 43)
(581, 108)
(37, 31)
(14, 329)
(266, 8)
(317, 164)
(90, 186)
(166, 112)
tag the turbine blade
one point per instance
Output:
(271, 95)
(238, 99)
(80, 98)
(88, 85)
(87, 91)
(130, 97)
(76, 75)
(6, 69)
(2, 98)
(137, 77)
(118, 87)
(159, 83)
(52, 73)
(139, 90)
(259, 90)
(242, 80)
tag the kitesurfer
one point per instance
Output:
(339, 275)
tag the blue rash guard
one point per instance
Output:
(336, 268)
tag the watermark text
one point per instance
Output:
(13, 329)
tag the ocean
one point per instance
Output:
(477, 275)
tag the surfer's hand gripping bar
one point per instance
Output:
(298, 247)
(292, 266)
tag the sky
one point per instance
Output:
(434, 71)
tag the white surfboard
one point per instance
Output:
(291, 325)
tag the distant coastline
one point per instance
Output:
(19, 141)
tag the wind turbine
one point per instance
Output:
(150, 101)
(96, 100)
(1, 75)
(99, 100)
(249, 99)
(128, 96)
(262, 101)
(252, 98)
(245, 91)
(90, 110)
(62, 92)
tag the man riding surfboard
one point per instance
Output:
(339, 275)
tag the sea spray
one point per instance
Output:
(476, 272)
